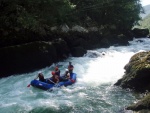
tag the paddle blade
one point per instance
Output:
(28, 85)
(72, 80)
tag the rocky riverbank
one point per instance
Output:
(28, 52)
(137, 78)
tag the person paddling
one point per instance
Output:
(54, 79)
(70, 67)
(57, 71)
(66, 75)
(41, 77)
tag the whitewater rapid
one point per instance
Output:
(94, 91)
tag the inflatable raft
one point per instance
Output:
(47, 86)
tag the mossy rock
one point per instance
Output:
(142, 104)
(137, 73)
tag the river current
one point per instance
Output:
(94, 91)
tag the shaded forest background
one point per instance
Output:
(34, 18)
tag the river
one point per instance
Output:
(94, 91)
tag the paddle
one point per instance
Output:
(53, 82)
(28, 85)
(72, 80)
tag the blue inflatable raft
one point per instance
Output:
(47, 86)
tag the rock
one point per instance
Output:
(78, 51)
(139, 33)
(116, 40)
(137, 78)
(29, 51)
(26, 57)
(64, 28)
(137, 73)
(54, 28)
(79, 29)
(92, 29)
(142, 105)
(62, 48)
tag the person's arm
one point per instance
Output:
(68, 76)
(57, 78)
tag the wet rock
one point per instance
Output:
(93, 54)
(139, 33)
(29, 51)
(78, 51)
(62, 48)
(26, 57)
(116, 40)
(137, 73)
(137, 78)
(143, 106)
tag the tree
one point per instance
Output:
(122, 14)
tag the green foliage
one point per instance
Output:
(32, 14)
(145, 23)
(122, 14)
(39, 15)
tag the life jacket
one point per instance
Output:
(57, 72)
(41, 78)
(55, 78)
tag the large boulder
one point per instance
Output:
(137, 74)
(139, 33)
(137, 78)
(115, 40)
(78, 51)
(62, 48)
(26, 57)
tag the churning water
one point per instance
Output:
(94, 91)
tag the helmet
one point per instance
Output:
(53, 73)
(67, 70)
(56, 68)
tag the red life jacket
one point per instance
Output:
(55, 78)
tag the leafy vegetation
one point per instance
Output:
(120, 14)
(32, 14)
(145, 22)
(39, 15)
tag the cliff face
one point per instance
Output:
(137, 78)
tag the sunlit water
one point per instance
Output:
(94, 91)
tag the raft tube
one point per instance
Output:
(47, 86)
